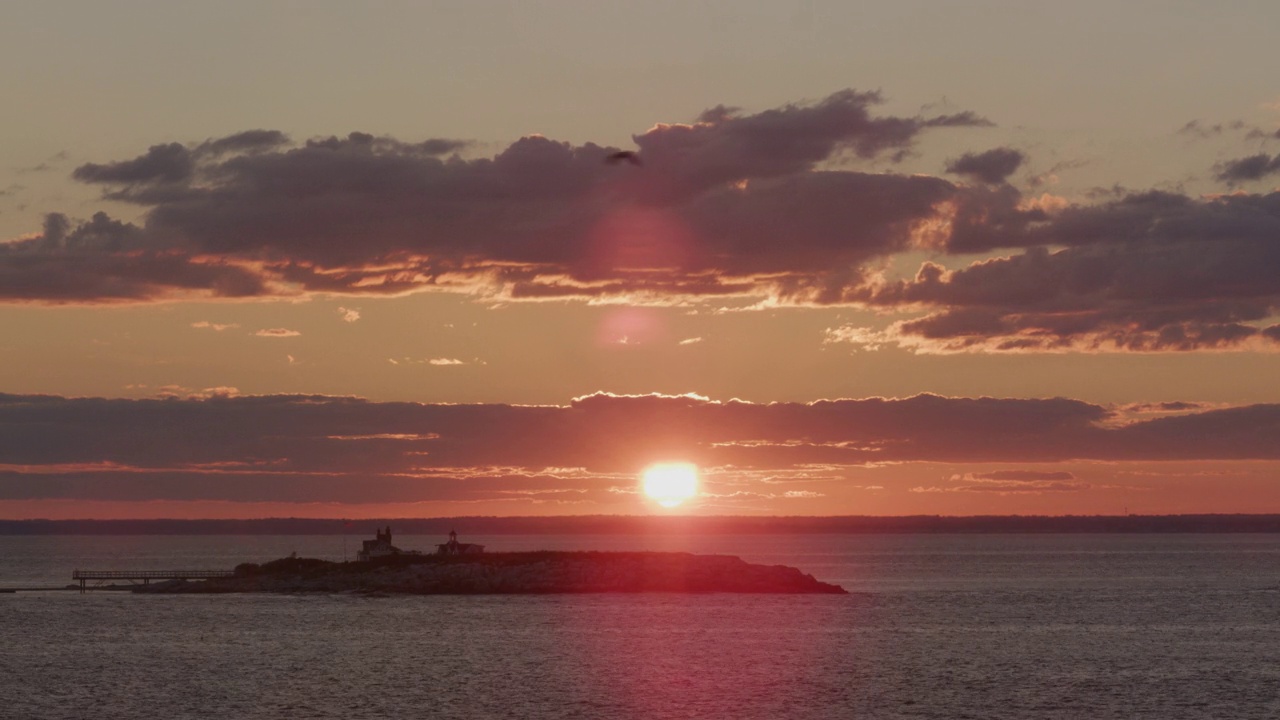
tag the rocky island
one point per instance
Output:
(509, 573)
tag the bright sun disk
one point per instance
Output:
(670, 483)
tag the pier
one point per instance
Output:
(145, 576)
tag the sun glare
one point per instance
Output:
(670, 484)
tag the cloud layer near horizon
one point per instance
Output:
(329, 449)
(759, 206)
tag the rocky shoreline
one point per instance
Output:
(511, 573)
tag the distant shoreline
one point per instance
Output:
(668, 525)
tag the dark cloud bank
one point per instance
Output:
(772, 204)
(326, 449)
(1254, 167)
(1152, 271)
(993, 166)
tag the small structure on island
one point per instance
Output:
(380, 546)
(453, 547)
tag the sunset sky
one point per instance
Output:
(328, 259)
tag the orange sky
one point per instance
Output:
(836, 283)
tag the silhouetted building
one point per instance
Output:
(453, 547)
(379, 547)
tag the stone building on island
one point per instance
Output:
(380, 547)
(453, 547)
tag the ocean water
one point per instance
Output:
(995, 626)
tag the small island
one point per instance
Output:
(385, 569)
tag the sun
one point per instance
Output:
(670, 484)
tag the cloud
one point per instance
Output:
(277, 333)
(213, 444)
(1169, 406)
(1254, 167)
(1202, 130)
(1032, 476)
(349, 315)
(167, 171)
(725, 146)
(993, 166)
(247, 141)
(161, 165)
(736, 203)
(1004, 488)
(107, 260)
(217, 327)
(776, 206)
(1011, 482)
(49, 164)
(690, 341)
(437, 361)
(1050, 176)
(1144, 272)
(185, 393)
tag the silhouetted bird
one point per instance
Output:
(629, 155)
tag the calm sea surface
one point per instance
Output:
(995, 626)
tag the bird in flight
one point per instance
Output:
(630, 156)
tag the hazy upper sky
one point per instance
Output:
(318, 258)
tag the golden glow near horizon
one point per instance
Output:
(670, 484)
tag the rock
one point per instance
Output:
(512, 573)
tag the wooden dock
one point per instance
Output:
(145, 577)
